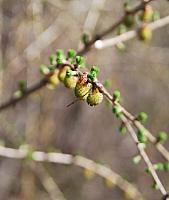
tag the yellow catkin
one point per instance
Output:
(95, 98)
(70, 81)
(88, 173)
(62, 73)
(147, 14)
(145, 33)
(53, 80)
(130, 193)
(82, 90)
(109, 182)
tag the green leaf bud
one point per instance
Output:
(44, 70)
(166, 166)
(60, 57)
(85, 39)
(22, 85)
(159, 166)
(162, 136)
(59, 53)
(141, 136)
(136, 159)
(117, 111)
(107, 83)
(155, 186)
(93, 73)
(71, 53)
(18, 94)
(80, 61)
(116, 95)
(121, 29)
(142, 117)
(53, 59)
(51, 68)
(122, 129)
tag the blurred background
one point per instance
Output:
(30, 30)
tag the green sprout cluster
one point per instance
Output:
(64, 69)
(93, 73)
(162, 137)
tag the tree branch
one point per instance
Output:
(101, 44)
(68, 159)
(83, 51)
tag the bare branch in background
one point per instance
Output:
(92, 18)
(101, 44)
(68, 159)
(48, 182)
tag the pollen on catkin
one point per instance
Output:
(82, 88)
(62, 73)
(70, 81)
(95, 97)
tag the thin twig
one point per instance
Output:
(137, 124)
(144, 155)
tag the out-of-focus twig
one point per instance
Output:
(101, 44)
(92, 17)
(68, 159)
(113, 27)
(48, 182)
(42, 42)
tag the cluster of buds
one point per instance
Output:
(86, 89)
(66, 70)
